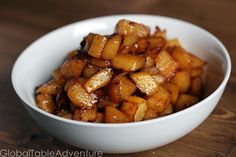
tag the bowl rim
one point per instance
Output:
(130, 124)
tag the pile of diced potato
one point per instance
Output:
(131, 75)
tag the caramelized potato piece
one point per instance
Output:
(182, 57)
(159, 33)
(127, 44)
(97, 46)
(145, 82)
(168, 110)
(196, 87)
(100, 79)
(174, 42)
(120, 88)
(127, 62)
(85, 115)
(159, 78)
(58, 77)
(89, 71)
(159, 101)
(150, 114)
(100, 117)
(70, 82)
(174, 91)
(103, 102)
(182, 80)
(111, 47)
(45, 102)
(196, 62)
(151, 70)
(126, 27)
(113, 115)
(100, 63)
(135, 107)
(150, 62)
(196, 72)
(72, 68)
(88, 42)
(156, 43)
(80, 98)
(52, 87)
(166, 64)
(140, 46)
(185, 101)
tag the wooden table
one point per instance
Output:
(21, 22)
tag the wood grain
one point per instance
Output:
(21, 22)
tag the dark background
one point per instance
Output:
(23, 21)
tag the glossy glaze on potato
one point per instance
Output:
(129, 76)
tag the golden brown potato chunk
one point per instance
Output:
(140, 46)
(196, 62)
(113, 115)
(150, 62)
(166, 64)
(135, 107)
(127, 62)
(127, 44)
(174, 42)
(104, 102)
(111, 47)
(182, 57)
(145, 82)
(52, 87)
(89, 71)
(156, 43)
(160, 33)
(126, 27)
(80, 98)
(100, 117)
(185, 101)
(100, 63)
(174, 91)
(88, 41)
(120, 88)
(100, 79)
(168, 110)
(196, 72)
(196, 87)
(182, 80)
(97, 46)
(85, 115)
(160, 100)
(150, 114)
(72, 68)
(159, 78)
(57, 76)
(45, 102)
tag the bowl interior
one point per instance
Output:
(37, 62)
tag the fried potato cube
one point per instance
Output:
(85, 115)
(71, 82)
(156, 43)
(196, 72)
(151, 70)
(140, 46)
(166, 64)
(45, 102)
(196, 87)
(97, 46)
(182, 80)
(100, 79)
(103, 102)
(72, 68)
(88, 42)
(185, 101)
(57, 76)
(182, 57)
(113, 115)
(80, 98)
(150, 114)
(145, 82)
(159, 78)
(89, 71)
(174, 42)
(169, 110)
(111, 47)
(100, 117)
(160, 100)
(127, 62)
(100, 63)
(135, 107)
(127, 44)
(126, 27)
(174, 91)
(150, 62)
(196, 62)
(120, 88)
(52, 87)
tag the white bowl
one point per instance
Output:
(35, 65)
